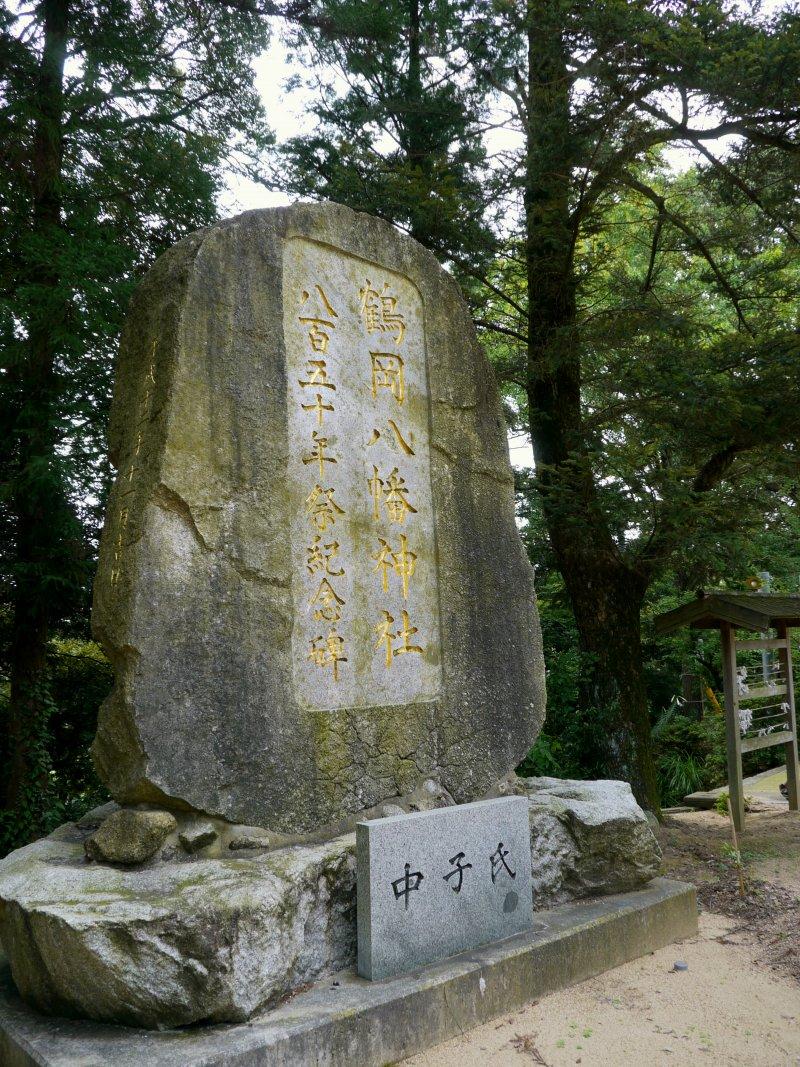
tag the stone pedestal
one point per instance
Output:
(368, 1024)
(219, 933)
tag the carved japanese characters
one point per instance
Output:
(435, 883)
(365, 580)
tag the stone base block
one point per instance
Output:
(219, 933)
(348, 1020)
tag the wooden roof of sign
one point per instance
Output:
(745, 611)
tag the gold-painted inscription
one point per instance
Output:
(403, 563)
(321, 508)
(387, 373)
(365, 584)
(379, 311)
(328, 653)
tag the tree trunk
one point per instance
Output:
(37, 493)
(612, 688)
(606, 595)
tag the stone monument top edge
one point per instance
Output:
(313, 219)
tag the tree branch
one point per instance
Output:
(496, 328)
(717, 466)
(648, 281)
(745, 188)
(297, 11)
(699, 243)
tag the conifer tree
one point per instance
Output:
(598, 91)
(593, 92)
(116, 120)
(398, 123)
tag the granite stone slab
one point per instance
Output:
(432, 884)
(349, 1020)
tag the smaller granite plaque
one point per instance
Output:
(436, 883)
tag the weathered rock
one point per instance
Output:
(428, 797)
(587, 838)
(185, 939)
(250, 839)
(129, 836)
(349, 1021)
(197, 836)
(178, 942)
(231, 695)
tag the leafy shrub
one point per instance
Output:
(679, 773)
(79, 679)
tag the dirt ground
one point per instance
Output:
(737, 1003)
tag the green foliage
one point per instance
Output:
(642, 321)
(81, 679)
(397, 130)
(38, 807)
(732, 855)
(117, 122)
(62, 784)
(161, 101)
(645, 319)
(545, 760)
(682, 747)
(690, 752)
(571, 742)
(679, 774)
(721, 804)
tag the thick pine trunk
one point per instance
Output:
(606, 596)
(36, 496)
(607, 609)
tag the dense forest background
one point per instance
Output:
(615, 186)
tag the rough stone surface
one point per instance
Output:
(435, 883)
(367, 1024)
(130, 837)
(587, 839)
(198, 836)
(202, 599)
(216, 935)
(430, 796)
(178, 942)
(251, 839)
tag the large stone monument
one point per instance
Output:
(311, 585)
(319, 611)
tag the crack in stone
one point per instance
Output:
(445, 452)
(473, 469)
(167, 499)
(495, 475)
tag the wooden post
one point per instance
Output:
(792, 768)
(733, 734)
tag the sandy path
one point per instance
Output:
(723, 1010)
